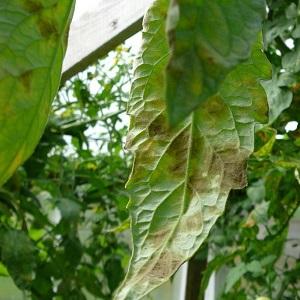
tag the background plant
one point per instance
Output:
(60, 213)
(251, 239)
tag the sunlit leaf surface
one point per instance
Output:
(32, 47)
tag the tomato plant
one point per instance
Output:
(214, 86)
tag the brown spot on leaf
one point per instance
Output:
(178, 150)
(236, 175)
(158, 127)
(33, 6)
(166, 265)
(47, 28)
(25, 79)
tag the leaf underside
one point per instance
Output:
(182, 176)
(32, 48)
(208, 39)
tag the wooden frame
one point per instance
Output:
(99, 26)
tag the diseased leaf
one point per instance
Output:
(208, 38)
(182, 175)
(32, 47)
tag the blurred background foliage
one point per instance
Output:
(63, 214)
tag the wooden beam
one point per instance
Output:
(98, 26)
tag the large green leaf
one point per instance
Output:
(32, 47)
(208, 38)
(182, 176)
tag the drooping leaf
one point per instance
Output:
(208, 38)
(32, 47)
(182, 175)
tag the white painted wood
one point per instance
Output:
(97, 27)
(210, 293)
(179, 283)
(293, 236)
(174, 289)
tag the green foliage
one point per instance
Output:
(182, 175)
(281, 26)
(62, 212)
(201, 68)
(208, 39)
(32, 47)
(255, 225)
(252, 234)
(18, 255)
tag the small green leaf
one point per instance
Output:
(291, 61)
(270, 259)
(234, 275)
(32, 47)
(18, 255)
(255, 267)
(292, 11)
(69, 209)
(296, 32)
(270, 136)
(256, 192)
(3, 271)
(208, 39)
(288, 163)
(276, 28)
(279, 98)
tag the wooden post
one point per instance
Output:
(98, 26)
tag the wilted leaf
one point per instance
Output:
(32, 47)
(182, 176)
(208, 38)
